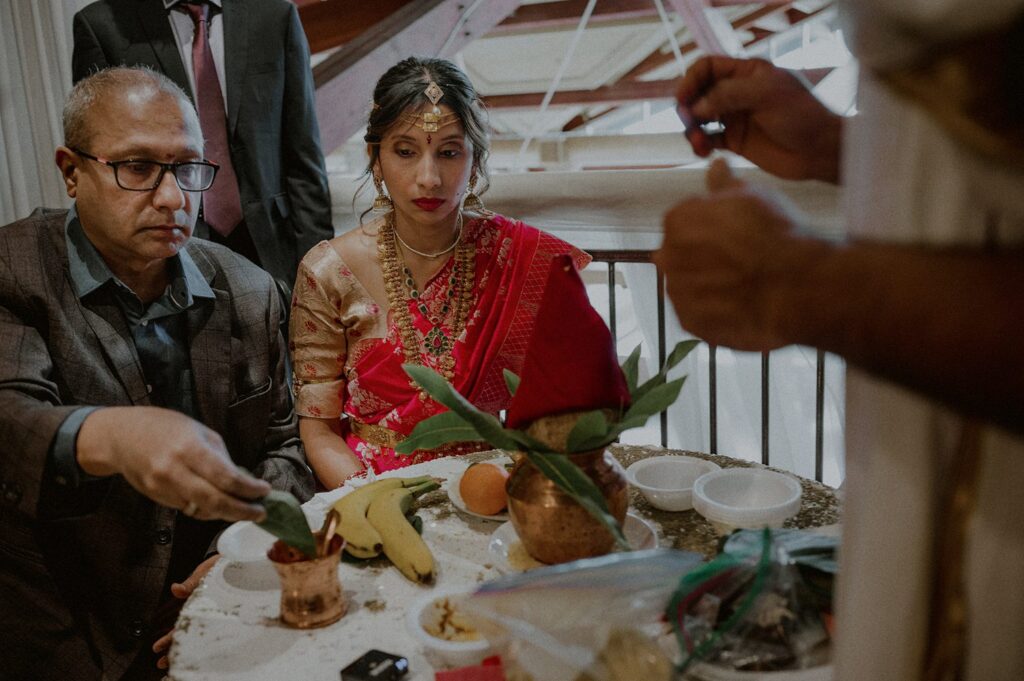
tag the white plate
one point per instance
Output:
(245, 542)
(510, 555)
(453, 494)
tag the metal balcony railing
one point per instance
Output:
(614, 257)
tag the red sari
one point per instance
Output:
(348, 357)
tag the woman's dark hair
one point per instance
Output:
(401, 89)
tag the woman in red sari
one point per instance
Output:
(435, 280)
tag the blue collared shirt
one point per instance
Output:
(159, 332)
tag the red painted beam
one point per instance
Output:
(623, 91)
(331, 23)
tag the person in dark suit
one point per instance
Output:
(140, 372)
(263, 71)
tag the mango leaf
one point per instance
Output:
(598, 442)
(631, 369)
(286, 521)
(526, 442)
(574, 482)
(679, 352)
(511, 381)
(656, 400)
(592, 426)
(438, 430)
(487, 426)
(626, 424)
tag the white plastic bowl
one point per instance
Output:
(450, 653)
(748, 498)
(667, 481)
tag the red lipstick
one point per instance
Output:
(428, 204)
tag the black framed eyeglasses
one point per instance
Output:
(141, 175)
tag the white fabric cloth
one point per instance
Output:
(907, 182)
(35, 77)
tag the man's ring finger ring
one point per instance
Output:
(191, 509)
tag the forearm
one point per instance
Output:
(333, 461)
(946, 323)
(95, 448)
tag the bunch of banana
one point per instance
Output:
(403, 546)
(373, 520)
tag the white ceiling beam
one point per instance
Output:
(345, 80)
(710, 30)
(767, 3)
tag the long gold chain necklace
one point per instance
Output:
(399, 283)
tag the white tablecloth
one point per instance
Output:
(229, 629)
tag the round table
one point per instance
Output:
(229, 628)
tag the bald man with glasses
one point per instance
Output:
(142, 377)
(246, 65)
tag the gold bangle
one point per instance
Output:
(376, 434)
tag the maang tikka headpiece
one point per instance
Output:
(433, 120)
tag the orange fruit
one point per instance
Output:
(483, 488)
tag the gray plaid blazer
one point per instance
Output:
(82, 570)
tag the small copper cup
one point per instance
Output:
(310, 589)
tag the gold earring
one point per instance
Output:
(473, 203)
(382, 203)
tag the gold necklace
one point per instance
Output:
(455, 242)
(460, 290)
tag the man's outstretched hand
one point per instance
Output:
(172, 459)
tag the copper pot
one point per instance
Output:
(551, 525)
(310, 589)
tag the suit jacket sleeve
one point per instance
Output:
(30, 407)
(87, 56)
(284, 462)
(304, 171)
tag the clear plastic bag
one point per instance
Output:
(650, 615)
(598, 619)
(762, 605)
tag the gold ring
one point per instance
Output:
(191, 509)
